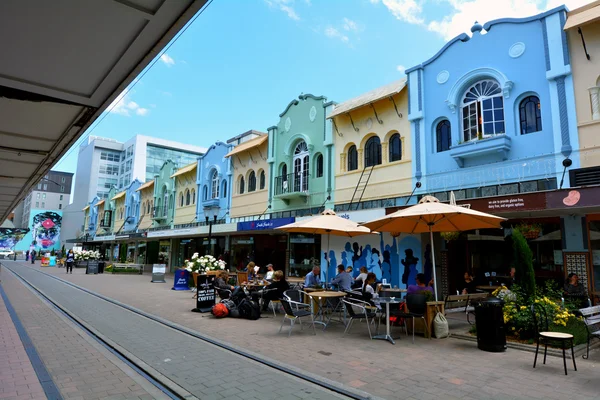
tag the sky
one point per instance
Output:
(241, 62)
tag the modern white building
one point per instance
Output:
(103, 163)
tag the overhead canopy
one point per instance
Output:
(184, 170)
(370, 97)
(85, 208)
(63, 63)
(119, 195)
(99, 203)
(145, 185)
(583, 15)
(250, 144)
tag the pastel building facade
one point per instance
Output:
(214, 183)
(187, 194)
(164, 196)
(132, 207)
(494, 113)
(146, 192)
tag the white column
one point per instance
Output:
(595, 99)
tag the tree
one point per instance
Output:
(523, 263)
(62, 251)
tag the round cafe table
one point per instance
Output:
(387, 301)
(323, 298)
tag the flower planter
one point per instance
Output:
(531, 234)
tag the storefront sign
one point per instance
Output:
(302, 239)
(158, 273)
(245, 240)
(573, 198)
(261, 225)
(178, 232)
(205, 299)
(363, 215)
(181, 280)
(104, 238)
(506, 204)
(118, 237)
(92, 267)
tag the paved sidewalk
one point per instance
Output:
(428, 369)
(17, 376)
(77, 366)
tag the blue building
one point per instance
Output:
(214, 183)
(494, 114)
(132, 206)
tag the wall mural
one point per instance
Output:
(9, 237)
(396, 259)
(44, 231)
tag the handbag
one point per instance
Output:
(440, 326)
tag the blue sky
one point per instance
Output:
(242, 61)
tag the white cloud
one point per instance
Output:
(350, 25)
(286, 6)
(165, 58)
(465, 12)
(333, 33)
(123, 105)
(401, 69)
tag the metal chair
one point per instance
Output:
(295, 314)
(273, 302)
(366, 311)
(416, 304)
(543, 333)
(298, 297)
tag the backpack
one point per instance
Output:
(238, 295)
(249, 310)
(220, 310)
(232, 307)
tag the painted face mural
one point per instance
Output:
(46, 229)
(9, 237)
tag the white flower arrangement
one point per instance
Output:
(85, 255)
(204, 264)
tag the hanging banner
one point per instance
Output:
(158, 273)
(181, 280)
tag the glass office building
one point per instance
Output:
(156, 157)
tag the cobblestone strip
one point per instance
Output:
(79, 369)
(18, 379)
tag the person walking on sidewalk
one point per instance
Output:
(33, 256)
(70, 261)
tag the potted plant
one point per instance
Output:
(204, 264)
(530, 231)
(449, 236)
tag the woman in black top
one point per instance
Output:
(223, 288)
(468, 284)
(275, 290)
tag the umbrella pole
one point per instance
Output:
(435, 289)
(328, 261)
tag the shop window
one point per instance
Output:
(193, 196)
(319, 166)
(205, 193)
(483, 111)
(224, 188)
(443, 136)
(252, 181)
(530, 115)
(489, 191)
(215, 185)
(242, 186)
(188, 199)
(373, 152)
(180, 199)
(512, 188)
(262, 180)
(395, 147)
(352, 158)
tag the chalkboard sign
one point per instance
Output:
(92, 267)
(158, 273)
(205, 299)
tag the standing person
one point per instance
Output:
(33, 256)
(70, 261)
(27, 255)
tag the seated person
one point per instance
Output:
(313, 278)
(273, 291)
(367, 289)
(222, 286)
(358, 282)
(420, 286)
(468, 284)
(343, 280)
(573, 287)
(270, 272)
(349, 270)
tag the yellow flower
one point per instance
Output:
(523, 308)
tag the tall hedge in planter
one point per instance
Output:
(523, 263)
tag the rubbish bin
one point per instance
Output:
(101, 267)
(489, 320)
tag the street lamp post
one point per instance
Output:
(210, 212)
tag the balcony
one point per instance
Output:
(292, 186)
(159, 213)
(496, 147)
(210, 203)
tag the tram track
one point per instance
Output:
(331, 386)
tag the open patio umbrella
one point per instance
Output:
(432, 216)
(328, 223)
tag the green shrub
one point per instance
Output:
(523, 263)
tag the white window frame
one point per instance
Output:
(215, 184)
(475, 109)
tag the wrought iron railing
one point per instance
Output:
(292, 183)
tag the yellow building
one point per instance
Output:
(249, 164)
(146, 204)
(186, 194)
(119, 212)
(583, 31)
(99, 217)
(372, 145)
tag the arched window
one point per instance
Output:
(352, 158)
(251, 182)
(215, 182)
(284, 171)
(205, 192)
(193, 196)
(530, 115)
(443, 136)
(483, 110)
(319, 166)
(395, 147)
(242, 186)
(188, 199)
(224, 188)
(373, 152)
(262, 180)
(180, 199)
(301, 167)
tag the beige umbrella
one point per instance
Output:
(328, 223)
(432, 216)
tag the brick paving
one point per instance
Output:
(78, 368)
(429, 369)
(204, 370)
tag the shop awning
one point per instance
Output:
(184, 170)
(583, 15)
(248, 145)
(85, 208)
(119, 195)
(99, 203)
(370, 97)
(145, 185)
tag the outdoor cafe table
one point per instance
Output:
(487, 288)
(323, 299)
(387, 301)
